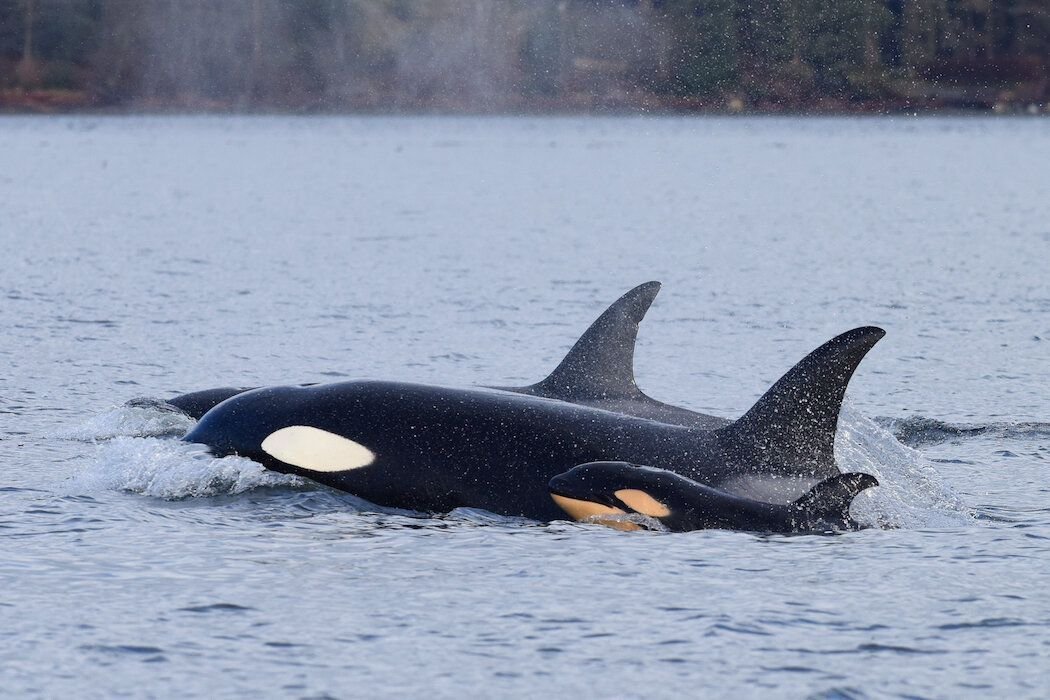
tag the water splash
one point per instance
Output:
(136, 418)
(171, 469)
(910, 495)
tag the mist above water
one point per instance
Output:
(452, 54)
(525, 55)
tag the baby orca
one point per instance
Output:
(610, 492)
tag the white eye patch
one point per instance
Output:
(315, 449)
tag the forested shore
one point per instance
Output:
(525, 55)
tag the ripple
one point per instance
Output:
(988, 623)
(838, 694)
(920, 431)
(123, 649)
(869, 648)
(217, 608)
(896, 649)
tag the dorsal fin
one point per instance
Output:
(829, 501)
(791, 429)
(601, 363)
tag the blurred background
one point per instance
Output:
(525, 55)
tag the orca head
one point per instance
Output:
(609, 493)
(283, 429)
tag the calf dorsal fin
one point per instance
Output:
(827, 504)
(601, 363)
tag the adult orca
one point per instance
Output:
(434, 449)
(196, 403)
(598, 371)
(606, 492)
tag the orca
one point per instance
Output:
(608, 493)
(434, 449)
(196, 403)
(598, 371)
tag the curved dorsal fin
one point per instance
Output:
(829, 501)
(791, 429)
(601, 363)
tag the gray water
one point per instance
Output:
(150, 256)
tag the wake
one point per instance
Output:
(919, 431)
(137, 450)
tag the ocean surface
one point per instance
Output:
(147, 256)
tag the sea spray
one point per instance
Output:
(910, 494)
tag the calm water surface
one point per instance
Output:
(149, 256)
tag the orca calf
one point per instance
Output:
(431, 448)
(605, 492)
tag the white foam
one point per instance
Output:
(140, 419)
(910, 493)
(170, 469)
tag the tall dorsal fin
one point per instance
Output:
(601, 363)
(791, 430)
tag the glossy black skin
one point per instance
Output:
(439, 449)
(196, 403)
(696, 506)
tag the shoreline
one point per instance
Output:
(70, 102)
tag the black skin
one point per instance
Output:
(695, 506)
(438, 449)
(196, 403)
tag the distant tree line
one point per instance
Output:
(492, 55)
